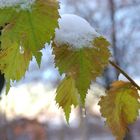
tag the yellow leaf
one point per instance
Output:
(83, 64)
(13, 63)
(30, 28)
(67, 95)
(120, 107)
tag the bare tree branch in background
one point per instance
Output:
(114, 47)
(129, 5)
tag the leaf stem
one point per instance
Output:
(125, 74)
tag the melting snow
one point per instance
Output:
(23, 3)
(74, 31)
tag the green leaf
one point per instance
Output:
(120, 107)
(38, 56)
(67, 95)
(83, 64)
(7, 86)
(30, 28)
(14, 64)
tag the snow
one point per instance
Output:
(74, 31)
(23, 3)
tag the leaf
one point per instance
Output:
(14, 64)
(67, 95)
(83, 64)
(120, 107)
(38, 56)
(30, 28)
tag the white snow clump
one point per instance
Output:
(74, 31)
(24, 4)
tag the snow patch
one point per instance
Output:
(24, 4)
(74, 31)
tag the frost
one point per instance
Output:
(74, 31)
(24, 4)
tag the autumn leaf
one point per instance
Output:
(83, 64)
(13, 63)
(67, 95)
(120, 107)
(30, 28)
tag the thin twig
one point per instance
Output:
(125, 74)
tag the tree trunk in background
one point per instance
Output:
(83, 125)
(115, 52)
(108, 77)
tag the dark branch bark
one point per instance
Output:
(1, 75)
(125, 74)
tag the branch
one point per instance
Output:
(129, 5)
(125, 74)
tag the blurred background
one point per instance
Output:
(29, 112)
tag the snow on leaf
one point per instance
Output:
(67, 95)
(14, 64)
(83, 64)
(120, 107)
(22, 3)
(30, 28)
(75, 32)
